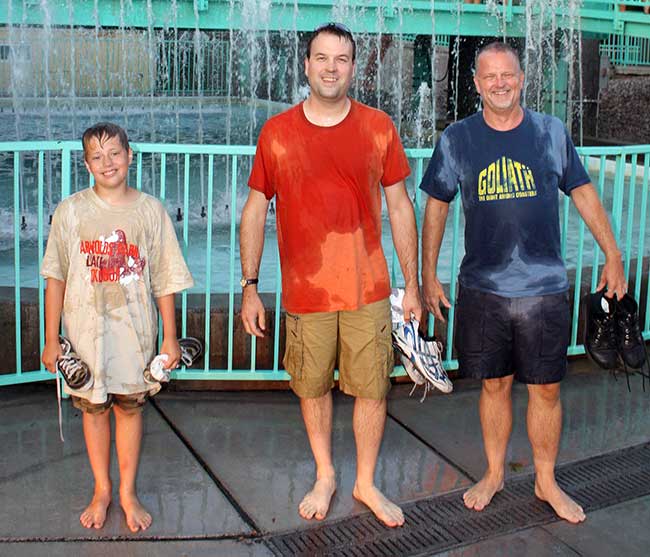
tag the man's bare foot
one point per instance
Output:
(137, 518)
(386, 511)
(565, 507)
(94, 515)
(480, 494)
(317, 502)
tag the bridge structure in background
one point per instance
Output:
(493, 17)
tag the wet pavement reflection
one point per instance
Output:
(213, 460)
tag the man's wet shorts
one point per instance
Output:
(129, 403)
(358, 341)
(527, 337)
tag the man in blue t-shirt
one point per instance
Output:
(513, 306)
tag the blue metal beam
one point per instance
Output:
(370, 16)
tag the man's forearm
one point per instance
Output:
(405, 240)
(404, 231)
(251, 235)
(593, 213)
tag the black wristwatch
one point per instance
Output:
(244, 282)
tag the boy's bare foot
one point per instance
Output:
(94, 515)
(317, 502)
(137, 518)
(480, 494)
(386, 511)
(565, 507)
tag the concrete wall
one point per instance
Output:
(623, 113)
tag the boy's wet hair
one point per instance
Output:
(332, 28)
(103, 131)
(496, 46)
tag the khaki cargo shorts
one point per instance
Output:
(129, 403)
(360, 339)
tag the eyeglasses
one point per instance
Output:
(334, 25)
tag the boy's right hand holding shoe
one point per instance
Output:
(51, 353)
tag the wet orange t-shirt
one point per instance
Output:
(326, 181)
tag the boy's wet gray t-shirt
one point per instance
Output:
(509, 184)
(115, 261)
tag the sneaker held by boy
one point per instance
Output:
(74, 370)
(191, 349)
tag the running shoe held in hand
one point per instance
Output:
(73, 369)
(156, 371)
(421, 356)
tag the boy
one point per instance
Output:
(111, 250)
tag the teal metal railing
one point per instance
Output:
(624, 50)
(412, 17)
(46, 172)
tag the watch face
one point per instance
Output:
(242, 282)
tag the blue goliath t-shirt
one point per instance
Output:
(509, 185)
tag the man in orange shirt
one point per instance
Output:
(326, 161)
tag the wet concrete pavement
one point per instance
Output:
(220, 471)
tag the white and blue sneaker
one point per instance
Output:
(421, 356)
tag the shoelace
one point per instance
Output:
(630, 328)
(644, 375)
(605, 332)
(426, 387)
(70, 367)
(58, 400)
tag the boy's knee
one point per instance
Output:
(120, 411)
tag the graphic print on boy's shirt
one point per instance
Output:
(113, 259)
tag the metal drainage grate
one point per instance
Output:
(440, 523)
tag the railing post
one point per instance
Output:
(231, 282)
(41, 280)
(65, 171)
(208, 266)
(18, 325)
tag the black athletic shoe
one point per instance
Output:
(630, 341)
(600, 330)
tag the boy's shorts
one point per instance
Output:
(362, 341)
(129, 403)
(497, 336)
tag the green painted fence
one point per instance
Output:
(624, 50)
(621, 175)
